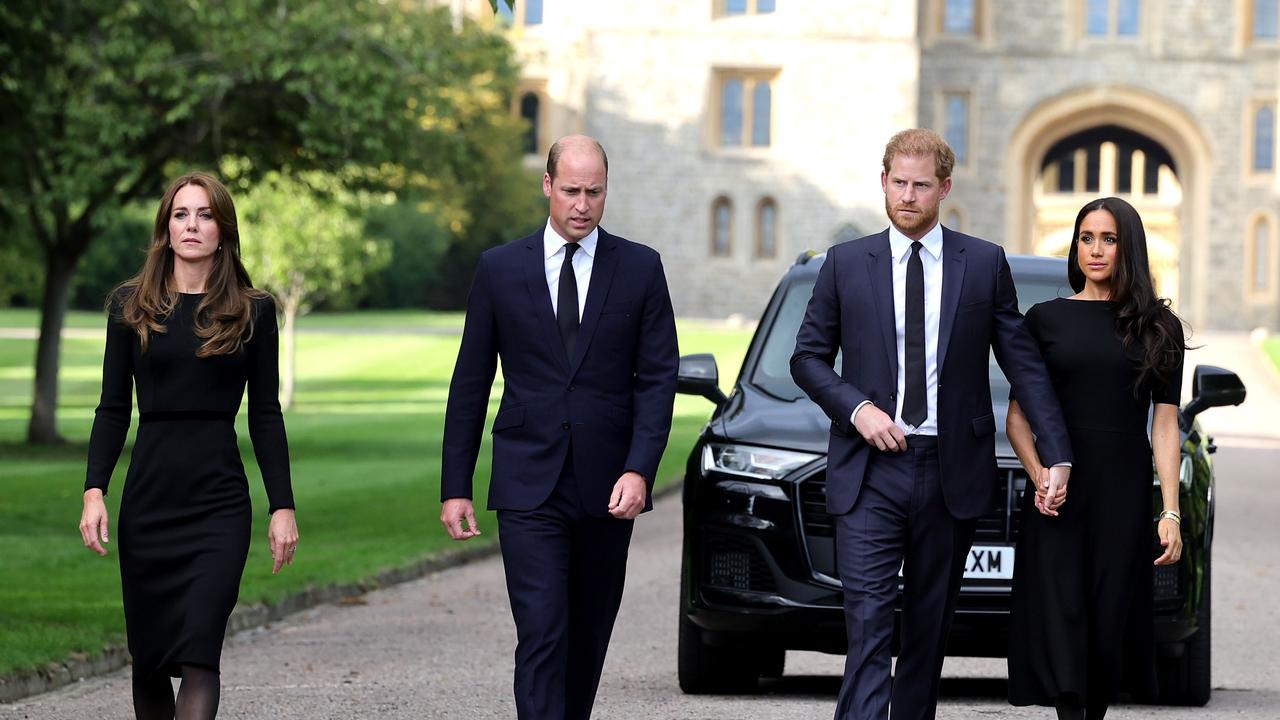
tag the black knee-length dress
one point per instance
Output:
(185, 516)
(1081, 624)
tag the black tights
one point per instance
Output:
(1070, 708)
(197, 695)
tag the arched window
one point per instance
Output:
(767, 229)
(956, 125)
(1264, 139)
(1261, 256)
(721, 227)
(529, 107)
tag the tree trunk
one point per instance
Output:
(291, 303)
(60, 268)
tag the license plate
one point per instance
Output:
(989, 563)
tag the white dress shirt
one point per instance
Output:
(931, 259)
(583, 259)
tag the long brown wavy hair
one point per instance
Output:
(224, 317)
(1144, 321)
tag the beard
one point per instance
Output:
(911, 224)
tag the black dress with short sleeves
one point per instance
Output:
(185, 516)
(1081, 624)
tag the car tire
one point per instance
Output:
(1186, 679)
(703, 668)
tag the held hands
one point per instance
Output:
(1170, 532)
(1051, 489)
(628, 497)
(282, 536)
(879, 430)
(452, 514)
(93, 522)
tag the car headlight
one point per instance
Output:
(753, 462)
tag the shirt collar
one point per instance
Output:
(552, 243)
(901, 244)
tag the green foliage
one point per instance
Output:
(101, 101)
(20, 269)
(115, 256)
(301, 238)
(417, 241)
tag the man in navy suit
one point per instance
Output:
(582, 323)
(914, 310)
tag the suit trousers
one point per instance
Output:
(565, 571)
(899, 521)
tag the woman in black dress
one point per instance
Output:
(1081, 624)
(191, 331)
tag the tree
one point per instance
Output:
(102, 100)
(303, 240)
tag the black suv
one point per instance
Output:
(758, 574)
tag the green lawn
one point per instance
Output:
(1271, 347)
(364, 436)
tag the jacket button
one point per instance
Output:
(571, 388)
(564, 425)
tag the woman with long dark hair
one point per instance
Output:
(1081, 625)
(192, 332)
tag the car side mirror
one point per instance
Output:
(1212, 387)
(698, 375)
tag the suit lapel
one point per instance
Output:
(880, 269)
(602, 269)
(953, 261)
(535, 274)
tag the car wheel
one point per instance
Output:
(704, 668)
(1186, 680)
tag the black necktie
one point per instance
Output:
(915, 403)
(567, 301)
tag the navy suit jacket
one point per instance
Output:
(613, 398)
(852, 311)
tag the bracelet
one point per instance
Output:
(1171, 515)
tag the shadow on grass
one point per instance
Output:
(67, 450)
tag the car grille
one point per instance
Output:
(734, 562)
(1000, 526)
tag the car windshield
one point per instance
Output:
(772, 372)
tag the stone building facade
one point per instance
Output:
(743, 132)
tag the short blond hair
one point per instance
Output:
(920, 142)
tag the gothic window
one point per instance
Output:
(721, 227)
(767, 229)
(955, 109)
(1264, 139)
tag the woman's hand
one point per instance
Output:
(93, 522)
(1170, 532)
(1051, 491)
(282, 535)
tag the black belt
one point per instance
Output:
(185, 415)
(922, 442)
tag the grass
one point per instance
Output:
(1271, 348)
(364, 436)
